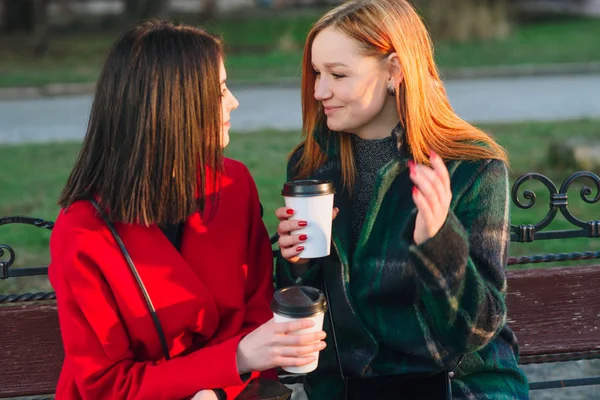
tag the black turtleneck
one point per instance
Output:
(370, 156)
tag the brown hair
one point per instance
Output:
(155, 126)
(382, 27)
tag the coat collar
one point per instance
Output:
(329, 142)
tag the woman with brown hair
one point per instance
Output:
(160, 260)
(420, 238)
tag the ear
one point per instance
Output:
(395, 74)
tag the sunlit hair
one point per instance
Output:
(154, 128)
(380, 28)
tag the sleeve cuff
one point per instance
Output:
(441, 260)
(221, 395)
(223, 364)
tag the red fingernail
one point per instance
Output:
(415, 190)
(302, 223)
(411, 164)
(299, 248)
(289, 211)
(303, 237)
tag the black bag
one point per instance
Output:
(414, 386)
(434, 386)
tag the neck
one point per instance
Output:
(382, 124)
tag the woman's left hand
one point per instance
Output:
(205, 395)
(432, 196)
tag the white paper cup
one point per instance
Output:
(300, 302)
(312, 201)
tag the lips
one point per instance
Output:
(330, 109)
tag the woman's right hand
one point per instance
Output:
(291, 245)
(273, 345)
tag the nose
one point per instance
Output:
(234, 103)
(322, 89)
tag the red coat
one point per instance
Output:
(207, 297)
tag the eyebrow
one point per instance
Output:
(333, 64)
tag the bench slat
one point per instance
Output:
(30, 349)
(555, 312)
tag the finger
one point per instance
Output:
(292, 254)
(440, 168)
(294, 361)
(283, 213)
(298, 260)
(335, 212)
(437, 182)
(300, 351)
(287, 226)
(291, 326)
(288, 241)
(421, 177)
(423, 206)
(291, 339)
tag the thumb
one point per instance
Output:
(335, 212)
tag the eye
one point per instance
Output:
(338, 76)
(224, 91)
(316, 73)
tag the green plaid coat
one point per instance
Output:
(401, 308)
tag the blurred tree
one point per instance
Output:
(24, 15)
(209, 9)
(463, 20)
(31, 18)
(142, 9)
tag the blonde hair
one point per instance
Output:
(382, 27)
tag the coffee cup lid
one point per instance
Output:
(298, 301)
(307, 188)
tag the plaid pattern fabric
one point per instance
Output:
(402, 308)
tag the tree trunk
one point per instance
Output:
(132, 9)
(28, 17)
(464, 20)
(19, 16)
(136, 10)
(209, 9)
(156, 9)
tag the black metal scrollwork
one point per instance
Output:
(5, 273)
(558, 202)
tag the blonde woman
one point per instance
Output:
(416, 273)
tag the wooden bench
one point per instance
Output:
(554, 311)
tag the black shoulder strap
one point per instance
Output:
(330, 315)
(157, 325)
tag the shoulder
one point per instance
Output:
(236, 169)
(469, 172)
(77, 231)
(239, 174)
(80, 218)
(479, 183)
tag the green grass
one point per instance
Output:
(255, 51)
(38, 172)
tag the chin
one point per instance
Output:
(336, 125)
(225, 140)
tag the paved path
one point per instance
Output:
(485, 100)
